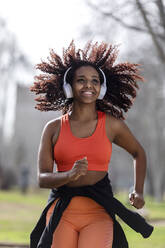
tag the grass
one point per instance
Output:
(19, 213)
(156, 240)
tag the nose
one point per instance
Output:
(88, 84)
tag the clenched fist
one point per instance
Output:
(136, 199)
(79, 168)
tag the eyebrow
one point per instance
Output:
(84, 76)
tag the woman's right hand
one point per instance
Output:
(79, 168)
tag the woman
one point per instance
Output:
(92, 94)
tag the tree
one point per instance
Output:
(12, 61)
(147, 17)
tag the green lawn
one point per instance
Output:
(19, 213)
(156, 240)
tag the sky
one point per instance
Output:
(40, 25)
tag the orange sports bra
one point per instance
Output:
(69, 148)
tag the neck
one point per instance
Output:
(84, 112)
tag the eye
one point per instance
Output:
(95, 81)
(80, 80)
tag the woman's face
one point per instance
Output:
(86, 84)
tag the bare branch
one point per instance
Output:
(124, 23)
(162, 12)
(119, 20)
(151, 32)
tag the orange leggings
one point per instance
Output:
(84, 224)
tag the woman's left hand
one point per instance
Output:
(136, 199)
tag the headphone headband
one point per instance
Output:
(65, 75)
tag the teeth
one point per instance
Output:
(88, 93)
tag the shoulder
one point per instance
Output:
(52, 127)
(51, 131)
(114, 122)
(115, 127)
(53, 124)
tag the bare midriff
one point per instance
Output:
(90, 178)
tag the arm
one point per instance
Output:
(46, 177)
(125, 139)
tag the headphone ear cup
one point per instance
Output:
(66, 86)
(67, 90)
(103, 90)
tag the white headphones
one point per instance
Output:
(68, 89)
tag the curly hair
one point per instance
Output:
(121, 78)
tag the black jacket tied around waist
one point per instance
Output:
(101, 192)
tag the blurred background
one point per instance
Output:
(28, 30)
